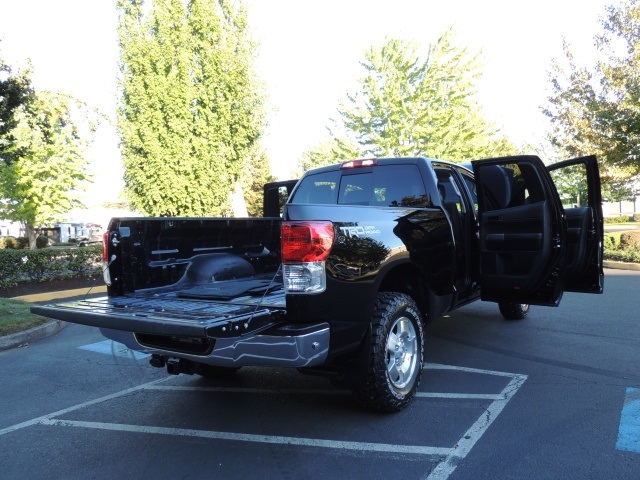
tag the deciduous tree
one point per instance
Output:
(42, 166)
(15, 90)
(191, 106)
(595, 109)
(255, 175)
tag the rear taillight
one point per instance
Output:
(105, 258)
(305, 246)
(105, 254)
(306, 241)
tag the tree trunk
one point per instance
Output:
(31, 234)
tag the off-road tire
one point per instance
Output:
(396, 354)
(513, 311)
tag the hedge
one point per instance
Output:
(622, 246)
(48, 264)
(630, 240)
(623, 255)
(618, 219)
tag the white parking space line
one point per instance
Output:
(451, 456)
(245, 437)
(38, 420)
(471, 436)
(178, 388)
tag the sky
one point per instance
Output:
(308, 58)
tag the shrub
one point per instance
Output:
(42, 241)
(23, 243)
(636, 217)
(630, 240)
(623, 255)
(85, 261)
(39, 265)
(10, 264)
(609, 242)
(48, 263)
(618, 219)
(11, 243)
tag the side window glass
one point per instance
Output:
(449, 192)
(473, 191)
(571, 183)
(399, 186)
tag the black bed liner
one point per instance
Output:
(173, 314)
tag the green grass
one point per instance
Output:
(16, 317)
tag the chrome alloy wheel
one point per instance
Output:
(402, 348)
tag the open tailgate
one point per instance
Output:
(167, 316)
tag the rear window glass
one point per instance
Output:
(386, 186)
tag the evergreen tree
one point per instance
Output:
(191, 108)
(406, 106)
(332, 150)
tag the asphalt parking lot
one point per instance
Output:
(541, 398)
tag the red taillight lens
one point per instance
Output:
(105, 240)
(306, 241)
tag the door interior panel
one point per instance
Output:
(578, 223)
(515, 242)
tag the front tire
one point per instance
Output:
(396, 353)
(513, 311)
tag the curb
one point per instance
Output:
(29, 336)
(621, 265)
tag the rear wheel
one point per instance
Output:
(395, 354)
(513, 311)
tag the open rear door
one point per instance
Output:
(521, 231)
(531, 247)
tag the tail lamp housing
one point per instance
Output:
(105, 258)
(305, 247)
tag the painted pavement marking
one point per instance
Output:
(629, 430)
(109, 347)
(450, 457)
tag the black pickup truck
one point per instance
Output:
(343, 280)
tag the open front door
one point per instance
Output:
(531, 247)
(275, 196)
(578, 184)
